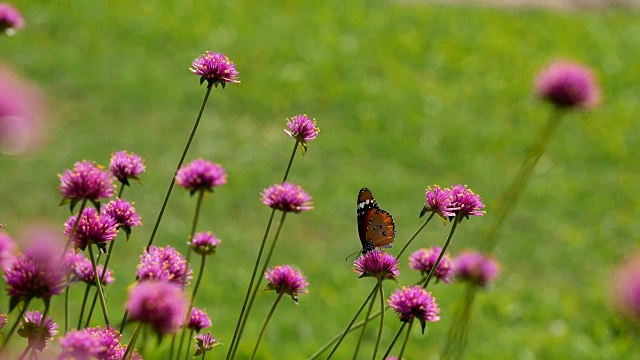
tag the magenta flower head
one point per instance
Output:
(626, 289)
(568, 84)
(377, 264)
(86, 181)
(109, 343)
(286, 280)
(124, 213)
(204, 342)
(164, 264)
(424, 259)
(80, 344)
(83, 271)
(465, 202)
(125, 166)
(7, 247)
(287, 197)
(33, 274)
(476, 268)
(303, 130)
(93, 228)
(10, 19)
(438, 201)
(198, 319)
(38, 336)
(215, 68)
(414, 303)
(204, 243)
(160, 304)
(201, 175)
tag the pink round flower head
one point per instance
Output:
(438, 200)
(124, 214)
(33, 275)
(80, 344)
(286, 197)
(84, 272)
(302, 129)
(201, 175)
(109, 341)
(125, 166)
(377, 264)
(93, 228)
(38, 336)
(160, 304)
(215, 68)
(414, 303)
(10, 19)
(626, 289)
(567, 84)
(476, 268)
(424, 259)
(286, 280)
(198, 319)
(204, 243)
(164, 264)
(6, 248)
(204, 342)
(465, 202)
(86, 181)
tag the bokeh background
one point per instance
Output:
(406, 94)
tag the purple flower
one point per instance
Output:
(84, 272)
(215, 68)
(109, 340)
(465, 202)
(80, 345)
(626, 289)
(377, 264)
(34, 274)
(204, 243)
(286, 197)
(302, 129)
(424, 259)
(125, 166)
(568, 84)
(10, 19)
(93, 228)
(476, 268)
(201, 175)
(160, 304)
(439, 202)
(38, 336)
(164, 264)
(124, 213)
(86, 181)
(414, 303)
(198, 319)
(204, 342)
(286, 280)
(4, 318)
(6, 248)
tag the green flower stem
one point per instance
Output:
(24, 353)
(104, 273)
(66, 309)
(393, 342)
(457, 335)
(47, 304)
(194, 224)
(256, 288)
(375, 350)
(193, 298)
(456, 220)
(293, 154)
(364, 326)
(415, 235)
(121, 191)
(406, 340)
(253, 277)
(15, 326)
(84, 303)
(186, 357)
(264, 326)
(103, 301)
(132, 343)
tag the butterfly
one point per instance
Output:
(375, 226)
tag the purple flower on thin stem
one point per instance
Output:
(84, 272)
(438, 200)
(424, 259)
(204, 243)
(303, 130)
(414, 303)
(160, 304)
(204, 342)
(38, 336)
(124, 213)
(286, 280)
(33, 275)
(109, 341)
(567, 84)
(93, 228)
(10, 19)
(164, 264)
(125, 166)
(215, 68)
(377, 264)
(198, 319)
(6, 248)
(476, 268)
(287, 197)
(626, 289)
(80, 344)
(201, 175)
(465, 202)
(86, 181)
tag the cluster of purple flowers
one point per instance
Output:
(458, 202)
(164, 264)
(94, 343)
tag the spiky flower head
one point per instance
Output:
(438, 200)
(215, 68)
(476, 268)
(7, 247)
(626, 289)
(287, 197)
(424, 259)
(160, 304)
(465, 202)
(125, 166)
(164, 264)
(377, 264)
(201, 175)
(93, 228)
(204, 243)
(37, 334)
(84, 272)
(198, 319)
(86, 181)
(567, 84)
(33, 274)
(10, 19)
(205, 342)
(414, 303)
(109, 340)
(124, 213)
(286, 280)
(80, 344)
(303, 130)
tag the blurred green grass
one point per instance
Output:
(406, 95)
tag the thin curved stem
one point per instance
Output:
(393, 342)
(194, 224)
(264, 326)
(102, 276)
(15, 326)
(103, 301)
(442, 252)
(293, 154)
(457, 336)
(84, 303)
(375, 350)
(132, 343)
(415, 234)
(186, 357)
(193, 298)
(364, 326)
(346, 331)
(406, 340)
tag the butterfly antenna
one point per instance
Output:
(347, 259)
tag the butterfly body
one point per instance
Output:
(375, 226)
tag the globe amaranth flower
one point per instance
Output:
(125, 166)
(286, 280)
(38, 335)
(124, 213)
(86, 181)
(160, 304)
(568, 84)
(438, 200)
(164, 264)
(7, 247)
(303, 130)
(198, 319)
(287, 197)
(93, 228)
(465, 202)
(204, 243)
(109, 340)
(424, 259)
(33, 275)
(204, 342)
(414, 303)
(377, 264)
(83, 271)
(476, 268)
(80, 344)
(626, 289)
(10, 19)
(201, 175)
(215, 68)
